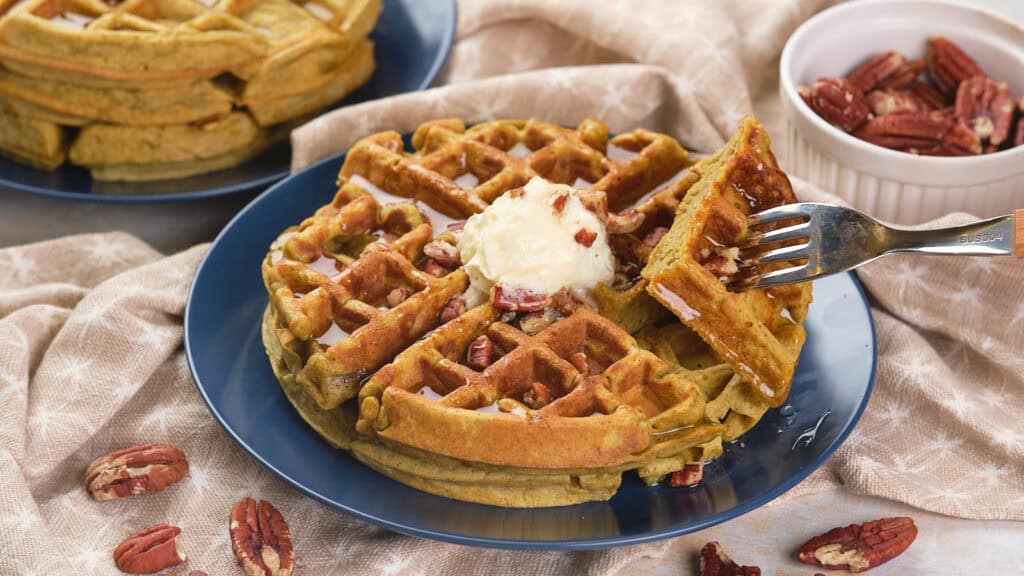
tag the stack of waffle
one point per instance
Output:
(153, 89)
(376, 342)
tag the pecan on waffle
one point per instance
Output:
(759, 332)
(348, 291)
(129, 41)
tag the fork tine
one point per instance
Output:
(784, 254)
(788, 233)
(789, 275)
(802, 210)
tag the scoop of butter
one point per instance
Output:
(541, 238)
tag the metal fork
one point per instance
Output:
(835, 239)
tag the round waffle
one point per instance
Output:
(473, 400)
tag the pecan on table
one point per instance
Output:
(260, 539)
(859, 547)
(149, 550)
(715, 562)
(135, 470)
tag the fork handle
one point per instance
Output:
(1018, 233)
(1000, 236)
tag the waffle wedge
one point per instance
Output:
(760, 332)
(30, 140)
(378, 343)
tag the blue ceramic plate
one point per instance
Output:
(412, 37)
(225, 352)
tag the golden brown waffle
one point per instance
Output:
(480, 403)
(182, 70)
(30, 140)
(760, 332)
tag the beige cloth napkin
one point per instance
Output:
(90, 326)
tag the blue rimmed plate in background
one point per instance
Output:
(227, 359)
(412, 41)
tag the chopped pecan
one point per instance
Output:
(534, 322)
(715, 562)
(398, 295)
(859, 547)
(690, 475)
(565, 302)
(884, 102)
(149, 550)
(434, 268)
(443, 253)
(949, 65)
(625, 222)
(721, 261)
(840, 103)
(507, 317)
(579, 362)
(654, 236)
(457, 226)
(934, 133)
(887, 70)
(558, 204)
(518, 299)
(260, 539)
(135, 470)
(585, 237)
(538, 396)
(480, 354)
(452, 309)
(985, 106)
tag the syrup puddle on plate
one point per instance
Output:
(808, 436)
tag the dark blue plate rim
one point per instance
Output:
(568, 545)
(435, 69)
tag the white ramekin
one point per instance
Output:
(896, 186)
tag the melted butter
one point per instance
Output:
(676, 303)
(467, 180)
(437, 220)
(333, 335)
(520, 150)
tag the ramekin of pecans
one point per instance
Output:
(907, 110)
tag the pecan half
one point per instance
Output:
(927, 94)
(457, 226)
(625, 222)
(538, 396)
(1018, 138)
(480, 354)
(149, 550)
(654, 236)
(443, 253)
(519, 299)
(434, 268)
(260, 539)
(887, 70)
(715, 562)
(135, 470)
(452, 310)
(985, 106)
(690, 475)
(884, 102)
(397, 296)
(840, 103)
(859, 547)
(585, 237)
(949, 65)
(534, 322)
(721, 261)
(934, 133)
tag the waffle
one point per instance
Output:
(166, 80)
(559, 409)
(32, 141)
(759, 332)
(72, 104)
(114, 152)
